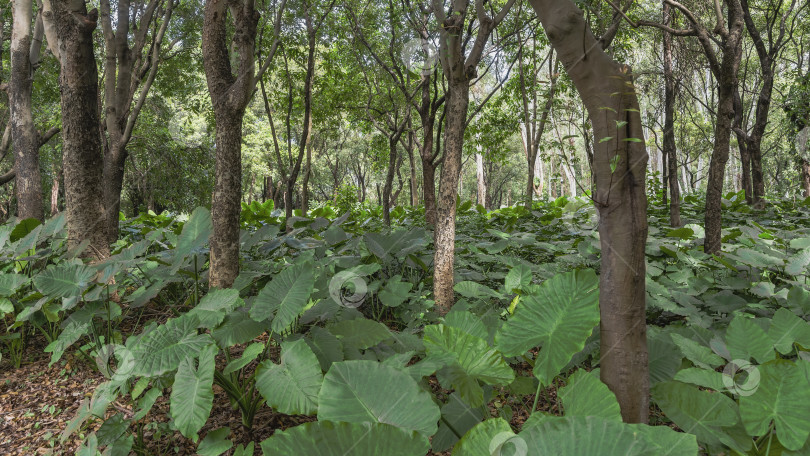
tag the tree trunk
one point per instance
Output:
(23, 133)
(742, 143)
(81, 149)
(57, 176)
(726, 88)
(305, 181)
(128, 70)
(806, 177)
(458, 94)
(481, 193)
(670, 152)
(620, 199)
(229, 97)
(389, 178)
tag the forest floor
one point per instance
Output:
(38, 401)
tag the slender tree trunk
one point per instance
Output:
(742, 144)
(305, 182)
(620, 198)
(57, 176)
(806, 177)
(670, 152)
(414, 193)
(389, 178)
(23, 133)
(481, 193)
(727, 87)
(81, 149)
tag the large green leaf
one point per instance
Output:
(592, 435)
(786, 328)
(559, 317)
(367, 391)
(457, 418)
(360, 333)
(585, 395)
(23, 228)
(162, 349)
(473, 357)
(238, 328)
(326, 438)
(783, 396)
(192, 396)
(395, 292)
(477, 441)
(698, 412)
(285, 297)
(65, 280)
(195, 234)
(10, 283)
(291, 387)
(700, 355)
(214, 306)
(746, 339)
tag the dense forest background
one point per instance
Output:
(337, 227)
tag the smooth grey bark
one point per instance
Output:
(620, 199)
(129, 71)
(24, 47)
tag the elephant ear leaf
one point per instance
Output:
(369, 392)
(558, 316)
(782, 397)
(192, 395)
(327, 438)
(291, 387)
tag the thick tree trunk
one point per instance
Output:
(81, 149)
(620, 198)
(670, 152)
(458, 97)
(229, 97)
(23, 133)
